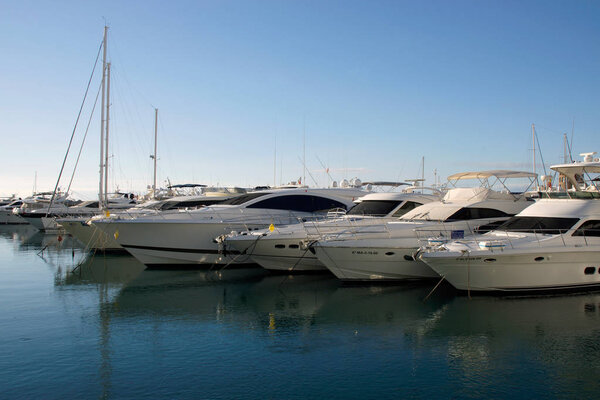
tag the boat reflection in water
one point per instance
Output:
(232, 321)
(17, 233)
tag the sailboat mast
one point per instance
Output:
(304, 150)
(422, 172)
(155, 145)
(100, 185)
(106, 134)
(565, 148)
(533, 139)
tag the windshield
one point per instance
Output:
(374, 207)
(468, 213)
(243, 198)
(548, 225)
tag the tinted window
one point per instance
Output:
(476, 213)
(406, 207)
(243, 198)
(374, 207)
(588, 228)
(190, 203)
(552, 226)
(305, 203)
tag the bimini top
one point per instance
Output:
(578, 172)
(498, 173)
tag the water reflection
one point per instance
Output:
(481, 347)
(18, 234)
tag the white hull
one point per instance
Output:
(288, 254)
(43, 223)
(393, 262)
(7, 217)
(386, 252)
(177, 244)
(557, 268)
(92, 237)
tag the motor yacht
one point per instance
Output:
(385, 251)
(287, 248)
(187, 238)
(46, 218)
(8, 217)
(552, 245)
(94, 239)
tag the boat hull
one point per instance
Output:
(93, 238)
(176, 244)
(536, 270)
(374, 263)
(283, 254)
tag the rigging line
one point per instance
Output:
(540, 150)
(75, 128)
(571, 144)
(84, 137)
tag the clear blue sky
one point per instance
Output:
(375, 85)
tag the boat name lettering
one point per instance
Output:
(467, 258)
(365, 252)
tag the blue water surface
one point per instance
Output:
(77, 325)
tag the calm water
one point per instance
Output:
(110, 329)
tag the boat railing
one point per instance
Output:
(506, 239)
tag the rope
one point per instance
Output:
(435, 287)
(84, 137)
(236, 257)
(74, 129)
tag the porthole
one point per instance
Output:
(589, 307)
(538, 259)
(589, 270)
(280, 246)
(489, 260)
(293, 246)
(389, 253)
(408, 258)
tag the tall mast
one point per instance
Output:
(100, 186)
(304, 150)
(275, 164)
(155, 141)
(565, 148)
(533, 139)
(422, 172)
(106, 134)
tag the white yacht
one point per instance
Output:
(385, 251)
(188, 237)
(94, 239)
(8, 217)
(46, 218)
(552, 245)
(288, 248)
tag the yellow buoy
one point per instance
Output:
(116, 235)
(271, 227)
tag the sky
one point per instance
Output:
(247, 90)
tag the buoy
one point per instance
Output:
(59, 238)
(271, 227)
(116, 235)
